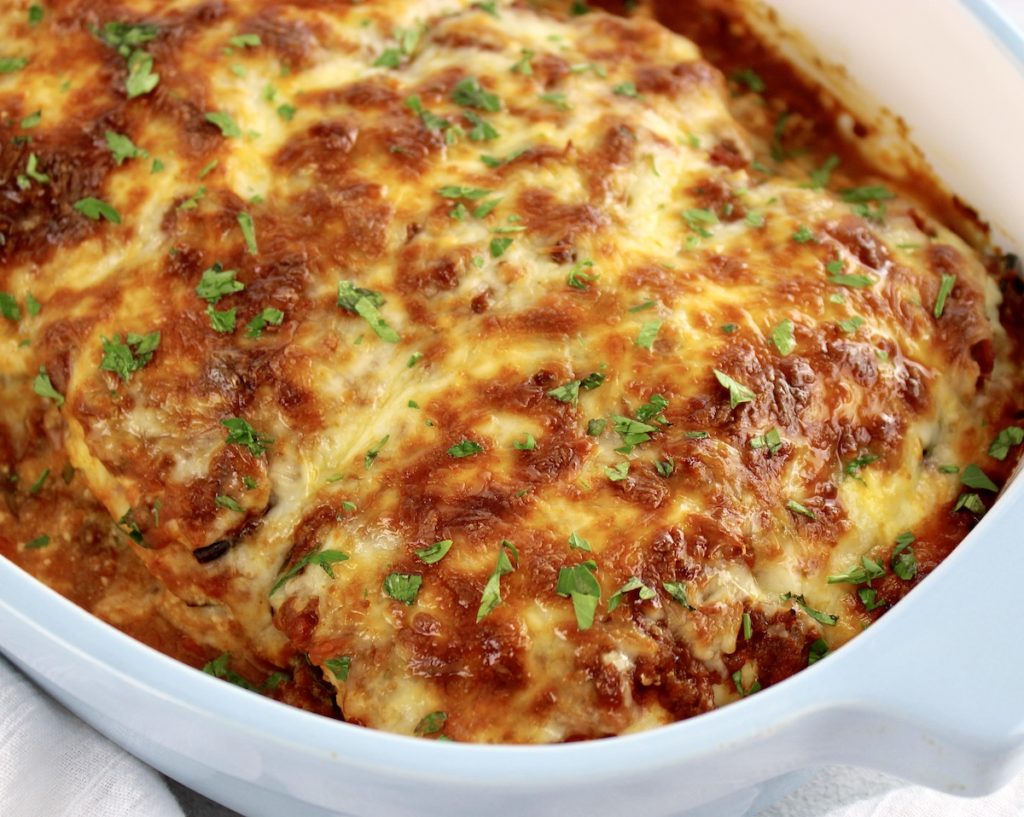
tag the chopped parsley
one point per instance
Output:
(408, 39)
(222, 320)
(465, 448)
(499, 245)
(216, 282)
(37, 486)
(852, 324)
(697, 219)
(1005, 440)
(558, 100)
(820, 175)
(737, 680)
(852, 280)
(803, 510)
(322, 559)
(403, 587)
(818, 650)
(974, 477)
(595, 428)
(528, 444)
(748, 627)
(128, 357)
(627, 89)
(970, 502)
(431, 724)
(749, 78)
(339, 667)
(42, 386)
(268, 316)
(782, 337)
(482, 130)
(35, 14)
(570, 392)
(865, 573)
(802, 235)
(455, 192)
(665, 467)
(903, 561)
(375, 449)
(246, 40)
(822, 618)
(866, 194)
(945, 288)
(648, 332)
(577, 542)
(522, 65)
(38, 542)
(33, 172)
(633, 432)
(771, 439)
(243, 434)
(470, 94)
(228, 502)
(95, 209)
(579, 584)
(8, 65)
(220, 667)
(491, 596)
(228, 127)
(738, 393)
(122, 147)
(248, 231)
(852, 468)
(617, 473)
(677, 590)
(364, 302)
(633, 583)
(9, 307)
(31, 120)
(435, 552)
(577, 278)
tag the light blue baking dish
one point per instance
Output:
(931, 693)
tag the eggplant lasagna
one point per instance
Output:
(494, 371)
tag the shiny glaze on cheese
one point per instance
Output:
(638, 224)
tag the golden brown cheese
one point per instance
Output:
(513, 281)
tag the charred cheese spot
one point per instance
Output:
(573, 303)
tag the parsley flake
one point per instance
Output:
(126, 358)
(738, 393)
(374, 451)
(42, 386)
(339, 667)
(803, 510)
(648, 332)
(243, 434)
(1005, 440)
(228, 127)
(470, 94)
(403, 587)
(93, 208)
(974, 477)
(122, 147)
(945, 288)
(579, 584)
(435, 552)
(782, 337)
(216, 282)
(322, 559)
(465, 448)
(634, 583)
(822, 618)
(491, 596)
(248, 231)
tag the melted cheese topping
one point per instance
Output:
(512, 277)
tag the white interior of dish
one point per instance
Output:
(941, 103)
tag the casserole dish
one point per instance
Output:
(250, 753)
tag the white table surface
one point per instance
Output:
(835, 791)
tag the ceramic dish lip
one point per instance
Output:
(295, 730)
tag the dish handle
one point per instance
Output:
(933, 692)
